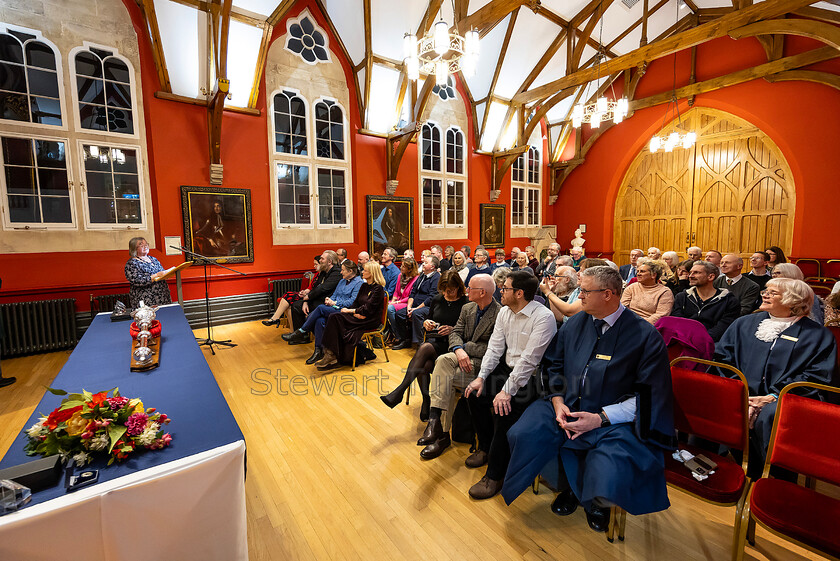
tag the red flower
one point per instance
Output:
(98, 399)
(57, 417)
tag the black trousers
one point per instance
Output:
(298, 317)
(492, 428)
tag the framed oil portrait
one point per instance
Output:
(390, 223)
(492, 226)
(217, 223)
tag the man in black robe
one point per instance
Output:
(609, 411)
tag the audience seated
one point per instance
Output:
(775, 256)
(465, 249)
(791, 271)
(291, 297)
(654, 253)
(745, 290)
(402, 292)
(629, 271)
(344, 330)
(683, 270)
(694, 253)
(448, 252)
(547, 266)
(576, 253)
(324, 285)
(444, 309)
(459, 265)
(437, 251)
(409, 254)
(342, 255)
(506, 383)
(513, 253)
(344, 296)
(390, 271)
(521, 263)
(672, 259)
(775, 347)
(422, 292)
(481, 265)
(832, 310)
(609, 412)
(564, 309)
(715, 308)
(455, 369)
(759, 274)
(714, 256)
(500, 261)
(500, 275)
(649, 298)
(563, 282)
(533, 262)
(363, 258)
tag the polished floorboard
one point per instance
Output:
(334, 474)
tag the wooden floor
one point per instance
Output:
(334, 474)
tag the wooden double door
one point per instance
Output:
(732, 191)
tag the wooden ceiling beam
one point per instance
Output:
(261, 57)
(544, 60)
(636, 24)
(700, 34)
(280, 11)
(825, 32)
(819, 14)
(825, 78)
(564, 23)
(153, 34)
(368, 61)
(587, 32)
(496, 72)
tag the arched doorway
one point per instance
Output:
(732, 191)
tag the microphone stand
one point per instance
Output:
(205, 261)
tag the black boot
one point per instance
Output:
(297, 337)
(6, 381)
(317, 355)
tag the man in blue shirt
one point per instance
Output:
(343, 297)
(389, 271)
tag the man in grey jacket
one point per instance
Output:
(457, 368)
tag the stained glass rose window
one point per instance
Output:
(307, 41)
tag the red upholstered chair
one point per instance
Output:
(806, 440)
(831, 269)
(716, 409)
(369, 336)
(809, 267)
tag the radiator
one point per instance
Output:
(106, 303)
(38, 327)
(277, 288)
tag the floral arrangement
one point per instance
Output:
(86, 423)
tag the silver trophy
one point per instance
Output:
(143, 317)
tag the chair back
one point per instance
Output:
(385, 311)
(831, 269)
(809, 267)
(711, 406)
(806, 435)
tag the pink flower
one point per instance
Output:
(136, 423)
(116, 403)
(161, 442)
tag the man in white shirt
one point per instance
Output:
(609, 411)
(745, 290)
(506, 384)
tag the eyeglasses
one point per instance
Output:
(471, 288)
(770, 293)
(584, 292)
(503, 288)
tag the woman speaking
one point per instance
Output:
(142, 271)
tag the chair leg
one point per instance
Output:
(751, 531)
(535, 486)
(611, 527)
(384, 346)
(623, 514)
(355, 350)
(739, 545)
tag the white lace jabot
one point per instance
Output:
(770, 328)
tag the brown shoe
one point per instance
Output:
(433, 432)
(436, 448)
(486, 488)
(328, 359)
(476, 459)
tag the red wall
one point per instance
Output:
(177, 148)
(810, 146)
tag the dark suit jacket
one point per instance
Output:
(624, 271)
(474, 337)
(325, 285)
(745, 290)
(424, 289)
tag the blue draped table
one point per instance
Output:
(204, 460)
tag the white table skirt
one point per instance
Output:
(189, 509)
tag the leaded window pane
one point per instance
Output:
(103, 84)
(332, 200)
(113, 185)
(28, 90)
(289, 124)
(293, 194)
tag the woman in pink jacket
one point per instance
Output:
(399, 299)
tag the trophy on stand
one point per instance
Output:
(145, 331)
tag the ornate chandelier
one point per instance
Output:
(440, 52)
(603, 109)
(685, 139)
